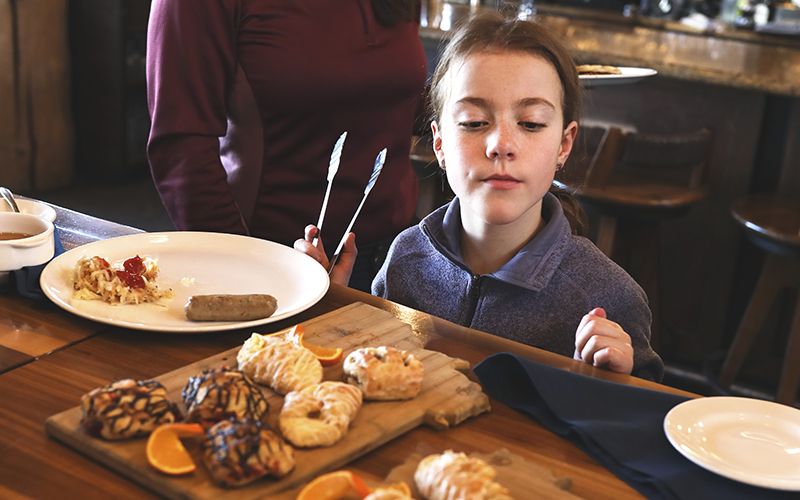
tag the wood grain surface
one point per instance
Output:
(447, 398)
(522, 478)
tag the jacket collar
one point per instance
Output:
(535, 263)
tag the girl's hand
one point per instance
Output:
(344, 266)
(603, 343)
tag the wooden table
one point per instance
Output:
(61, 357)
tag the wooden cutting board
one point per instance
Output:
(522, 478)
(447, 397)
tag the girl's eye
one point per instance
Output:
(471, 125)
(532, 125)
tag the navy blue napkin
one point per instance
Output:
(618, 425)
(25, 281)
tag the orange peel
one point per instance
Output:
(165, 451)
(325, 355)
(334, 485)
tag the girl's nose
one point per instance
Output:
(500, 144)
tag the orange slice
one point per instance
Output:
(165, 451)
(325, 355)
(334, 485)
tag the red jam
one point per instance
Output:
(131, 280)
(134, 265)
(101, 262)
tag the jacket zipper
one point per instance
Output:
(474, 295)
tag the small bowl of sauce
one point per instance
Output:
(25, 240)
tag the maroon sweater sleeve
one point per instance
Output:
(191, 64)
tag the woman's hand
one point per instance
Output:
(344, 266)
(603, 343)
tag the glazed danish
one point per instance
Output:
(384, 373)
(319, 415)
(455, 476)
(240, 452)
(278, 363)
(127, 408)
(220, 394)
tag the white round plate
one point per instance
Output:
(747, 440)
(31, 207)
(629, 75)
(194, 263)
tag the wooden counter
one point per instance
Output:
(740, 59)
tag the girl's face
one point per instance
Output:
(501, 134)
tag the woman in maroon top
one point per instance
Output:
(248, 97)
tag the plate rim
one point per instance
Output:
(739, 475)
(596, 80)
(190, 328)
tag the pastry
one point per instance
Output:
(598, 69)
(455, 476)
(384, 373)
(279, 363)
(127, 408)
(319, 415)
(239, 452)
(387, 494)
(220, 394)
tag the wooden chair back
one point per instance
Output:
(628, 158)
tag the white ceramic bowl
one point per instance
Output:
(31, 251)
(30, 207)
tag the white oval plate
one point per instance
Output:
(194, 263)
(629, 75)
(31, 207)
(747, 440)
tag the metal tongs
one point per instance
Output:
(376, 171)
(333, 167)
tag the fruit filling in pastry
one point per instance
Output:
(239, 452)
(384, 373)
(127, 408)
(221, 393)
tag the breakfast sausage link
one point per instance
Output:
(230, 307)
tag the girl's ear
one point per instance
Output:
(437, 143)
(567, 141)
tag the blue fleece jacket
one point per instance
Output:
(537, 298)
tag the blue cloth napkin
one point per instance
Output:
(618, 425)
(25, 281)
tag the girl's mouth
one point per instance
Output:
(502, 181)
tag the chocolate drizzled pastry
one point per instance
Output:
(222, 393)
(239, 452)
(127, 408)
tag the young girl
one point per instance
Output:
(502, 257)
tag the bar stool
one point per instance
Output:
(772, 223)
(635, 182)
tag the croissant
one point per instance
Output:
(455, 476)
(278, 363)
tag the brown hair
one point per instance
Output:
(491, 31)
